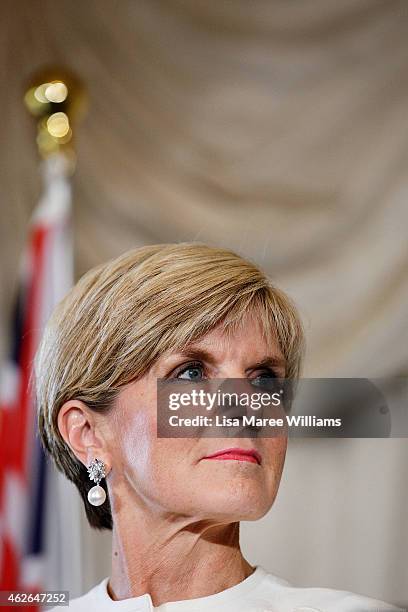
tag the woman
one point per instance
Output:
(183, 312)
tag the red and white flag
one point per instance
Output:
(39, 535)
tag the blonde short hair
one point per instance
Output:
(122, 315)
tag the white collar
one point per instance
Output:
(143, 603)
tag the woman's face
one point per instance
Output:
(172, 475)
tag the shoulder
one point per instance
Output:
(88, 601)
(315, 599)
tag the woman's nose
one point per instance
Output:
(232, 371)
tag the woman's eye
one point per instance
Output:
(263, 378)
(191, 372)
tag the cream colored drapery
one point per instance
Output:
(278, 129)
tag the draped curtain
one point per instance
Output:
(275, 128)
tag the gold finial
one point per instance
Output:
(57, 99)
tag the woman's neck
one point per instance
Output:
(175, 558)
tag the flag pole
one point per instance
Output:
(56, 98)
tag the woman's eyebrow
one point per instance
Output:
(189, 352)
(204, 355)
(198, 354)
(273, 361)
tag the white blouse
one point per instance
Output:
(260, 592)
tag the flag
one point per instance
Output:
(31, 492)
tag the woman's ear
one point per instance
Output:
(77, 426)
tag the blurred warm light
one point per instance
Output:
(32, 103)
(56, 92)
(46, 142)
(66, 138)
(57, 99)
(58, 125)
(39, 93)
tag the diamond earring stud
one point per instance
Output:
(96, 471)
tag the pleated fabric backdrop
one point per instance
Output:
(278, 129)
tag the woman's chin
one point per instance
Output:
(235, 515)
(235, 508)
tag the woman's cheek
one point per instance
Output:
(135, 438)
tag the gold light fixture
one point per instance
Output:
(57, 99)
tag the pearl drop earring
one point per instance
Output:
(96, 471)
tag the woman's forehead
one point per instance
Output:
(240, 343)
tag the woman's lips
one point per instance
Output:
(237, 454)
